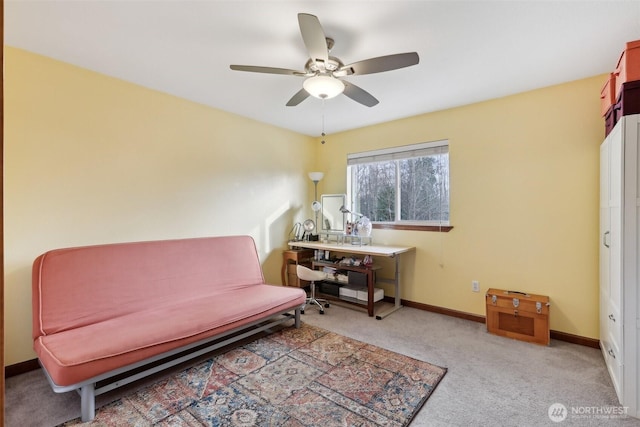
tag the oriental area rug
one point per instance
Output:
(293, 377)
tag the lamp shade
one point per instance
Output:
(316, 176)
(323, 87)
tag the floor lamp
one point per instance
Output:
(316, 205)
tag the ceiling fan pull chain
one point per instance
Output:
(323, 134)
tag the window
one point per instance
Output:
(406, 185)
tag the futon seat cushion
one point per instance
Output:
(77, 354)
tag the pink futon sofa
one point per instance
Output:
(105, 311)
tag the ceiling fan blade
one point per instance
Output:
(313, 37)
(296, 99)
(268, 70)
(381, 63)
(359, 95)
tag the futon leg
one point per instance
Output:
(297, 316)
(88, 402)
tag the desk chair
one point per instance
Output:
(310, 275)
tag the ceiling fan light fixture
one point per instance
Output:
(323, 87)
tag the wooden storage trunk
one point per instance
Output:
(518, 315)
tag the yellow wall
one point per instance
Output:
(91, 159)
(524, 201)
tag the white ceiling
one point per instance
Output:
(469, 50)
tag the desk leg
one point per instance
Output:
(397, 305)
(370, 288)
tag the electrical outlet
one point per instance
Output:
(475, 286)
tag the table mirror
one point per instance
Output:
(333, 220)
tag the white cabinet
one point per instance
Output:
(619, 296)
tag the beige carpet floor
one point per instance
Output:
(491, 381)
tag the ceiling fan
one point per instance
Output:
(323, 72)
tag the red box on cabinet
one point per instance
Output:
(608, 95)
(628, 68)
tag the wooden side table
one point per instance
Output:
(291, 258)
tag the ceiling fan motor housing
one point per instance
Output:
(319, 66)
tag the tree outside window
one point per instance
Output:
(409, 184)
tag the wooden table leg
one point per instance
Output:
(370, 290)
(286, 257)
(283, 272)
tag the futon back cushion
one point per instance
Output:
(75, 287)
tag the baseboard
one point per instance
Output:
(575, 339)
(31, 365)
(21, 368)
(445, 311)
(557, 335)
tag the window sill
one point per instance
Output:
(413, 227)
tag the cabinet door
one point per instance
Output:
(611, 182)
(615, 227)
(613, 360)
(605, 240)
(605, 217)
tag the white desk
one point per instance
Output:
(373, 250)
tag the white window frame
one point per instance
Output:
(399, 153)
